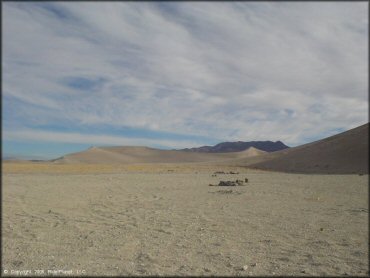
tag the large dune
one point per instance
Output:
(344, 153)
(125, 155)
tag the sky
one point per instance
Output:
(181, 74)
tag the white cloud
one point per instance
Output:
(231, 71)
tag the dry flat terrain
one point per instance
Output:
(164, 219)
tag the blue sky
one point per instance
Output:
(180, 74)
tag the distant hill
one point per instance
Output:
(34, 158)
(226, 147)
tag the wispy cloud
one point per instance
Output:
(228, 71)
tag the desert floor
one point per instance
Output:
(167, 220)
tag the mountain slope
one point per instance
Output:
(344, 153)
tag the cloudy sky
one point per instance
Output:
(181, 74)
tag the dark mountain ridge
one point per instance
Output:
(267, 146)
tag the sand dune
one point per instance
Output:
(129, 155)
(250, 152)
(344, 153)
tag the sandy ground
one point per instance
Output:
(166, 220)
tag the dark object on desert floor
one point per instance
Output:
(233, 173)
(227, 191)
(231, 183)
(227, 183)
(239, 182)
(222, 172)
(360, 174)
